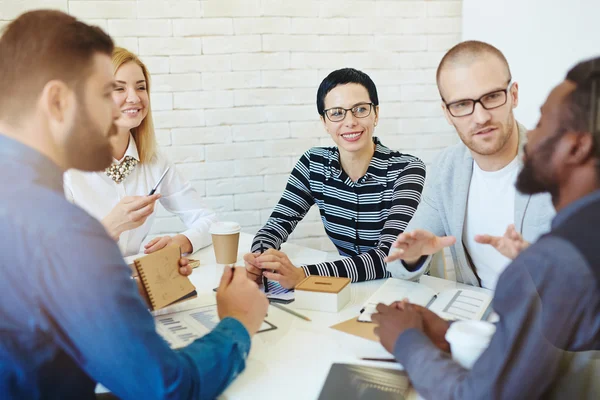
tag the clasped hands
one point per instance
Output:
(395, 319)
(274, 265)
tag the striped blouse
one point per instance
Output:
(361, 218)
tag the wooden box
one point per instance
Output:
(322, 293)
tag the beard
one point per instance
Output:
(88, 146)
(536, 175)
(505, 132)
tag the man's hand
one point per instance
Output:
(284, 271)
(412, 245)
(129, 213)
(253, 272)
(510, 245)
(434, 326)
(392, 322)
(163, 241)
(239, 298)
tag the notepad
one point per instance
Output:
(160, 277)
(451, 304)
(278, 293)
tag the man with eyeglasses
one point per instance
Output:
(469, 199)
(547, 338)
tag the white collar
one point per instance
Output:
(131, 151)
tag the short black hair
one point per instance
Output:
(583, 103)
(342, 77)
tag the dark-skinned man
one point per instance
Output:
(548, 298)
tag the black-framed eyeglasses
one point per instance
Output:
(489, 101)
(337, 114)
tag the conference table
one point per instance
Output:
(293, 360)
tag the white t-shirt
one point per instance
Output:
(490, 209)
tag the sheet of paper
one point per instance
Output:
(395, 290)
(181, 328)
(461, 304)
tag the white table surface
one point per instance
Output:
(293, 360)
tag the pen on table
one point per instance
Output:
(159, 181)
(290, 311)
(264, 278)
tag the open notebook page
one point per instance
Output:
(395, 290)
(183, 327)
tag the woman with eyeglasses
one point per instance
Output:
(120, 196)
(366, 193)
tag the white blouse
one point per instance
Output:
(98, 194)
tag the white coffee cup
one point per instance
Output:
(468, 339)
(225, 238)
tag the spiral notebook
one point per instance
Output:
(160, 277)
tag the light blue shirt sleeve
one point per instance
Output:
(91, 308)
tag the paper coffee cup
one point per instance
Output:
(225, 238)
(468, 339)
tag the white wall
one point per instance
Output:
(542, 40)
(234, 84)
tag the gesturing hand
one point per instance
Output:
(129, 213)
(284, 271)
(410, 246)
(510, 245)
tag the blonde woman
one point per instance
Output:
(119, 197)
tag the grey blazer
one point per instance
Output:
(443, 207)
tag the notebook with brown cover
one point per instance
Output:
(160, 277)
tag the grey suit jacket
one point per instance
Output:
(444, 203)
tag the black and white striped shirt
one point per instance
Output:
(361, 218)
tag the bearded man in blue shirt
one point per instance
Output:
(70, 315)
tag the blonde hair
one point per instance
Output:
(144, 136)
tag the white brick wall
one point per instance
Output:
(234, 84)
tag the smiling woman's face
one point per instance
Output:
(131, 95)
(351, 134)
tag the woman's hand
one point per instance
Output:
(277, 266)
(129, 213)
(253, 272)
(162, 241)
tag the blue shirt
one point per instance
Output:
(70, 315)
(548, 301)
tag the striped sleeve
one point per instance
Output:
(293, 205)
(371, 265)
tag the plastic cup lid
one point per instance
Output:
(475, 333)
(224, 228)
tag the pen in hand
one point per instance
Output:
(264, 278)
(159, 181)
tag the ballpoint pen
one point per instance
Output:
(159, 181)
(264, 278)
